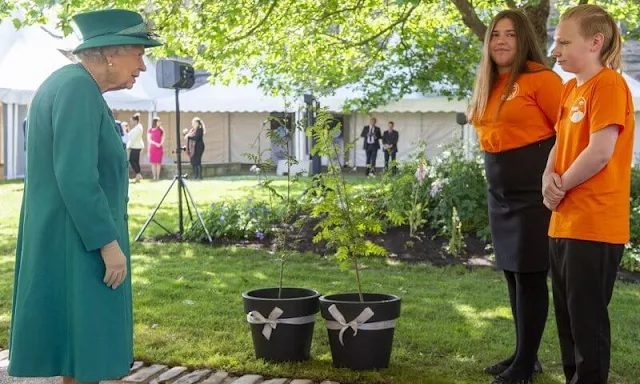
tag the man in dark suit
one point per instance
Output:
(372, 135)
(390, 146)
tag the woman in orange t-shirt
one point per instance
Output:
(514, 107)
(587, 184)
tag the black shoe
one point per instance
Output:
(498, 368)
(537, 368)
(506, 380)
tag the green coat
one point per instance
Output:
(65, 320)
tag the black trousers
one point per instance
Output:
(529, 297)
(388, 154)
(196, 161)
(583, 274)
(372, 154)
(134, 160)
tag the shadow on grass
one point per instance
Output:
(189, 311)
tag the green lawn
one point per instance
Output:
(188, 308)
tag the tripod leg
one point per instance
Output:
(186, 200)
(195, 208)
(146, 224)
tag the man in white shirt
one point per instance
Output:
(136, 145)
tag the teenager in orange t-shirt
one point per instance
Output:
(587, 185)
(514, 107)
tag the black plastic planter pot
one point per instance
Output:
(360, 333)
(282, 329)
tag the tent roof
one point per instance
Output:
(219, 98)
(414, 102)
(28, 58)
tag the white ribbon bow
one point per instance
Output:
(272, 321)
(357, 323)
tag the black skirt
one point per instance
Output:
(518, 218)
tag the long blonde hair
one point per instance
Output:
(201, 124)
(527, 49)
(592, 20)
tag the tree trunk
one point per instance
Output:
(539, 15)
(536, 10)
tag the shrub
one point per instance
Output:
(237, 220)
(458, 181)
(404, 198)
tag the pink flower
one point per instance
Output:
(421, 173)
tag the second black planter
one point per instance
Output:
(360, 333)
(282, 328)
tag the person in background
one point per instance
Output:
(587, 185)
(372, 135)
(390, 145)
(119, 127)
(24, 133)
(155, 138)
(72, 313)
(125, 133)
(135, 145)
(195, 145)
(514, 108)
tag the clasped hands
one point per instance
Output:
(552, 190)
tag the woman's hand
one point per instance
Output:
(115, 264)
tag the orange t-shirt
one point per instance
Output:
(526, 116)
(598, 209)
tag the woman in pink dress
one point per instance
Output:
(155, 137)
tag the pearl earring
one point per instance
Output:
(111, 64)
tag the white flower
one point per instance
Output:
(255, 169)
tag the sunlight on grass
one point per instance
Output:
(260, 276)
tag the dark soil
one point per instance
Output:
(427, 247)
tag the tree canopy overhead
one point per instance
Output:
(387, 48)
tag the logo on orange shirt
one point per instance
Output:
(578, 110)
(514, 92)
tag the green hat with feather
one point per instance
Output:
(113, 27)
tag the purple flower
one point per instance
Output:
(213, 205)
(222, 218)
(251, 211)
(436, 186)
(421, 173)
(259, 235)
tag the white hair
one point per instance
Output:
(99, 54)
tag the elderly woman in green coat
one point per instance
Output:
(72, 311)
